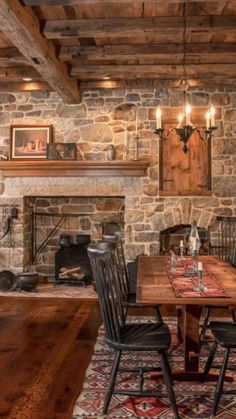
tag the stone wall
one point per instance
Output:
(108, 117)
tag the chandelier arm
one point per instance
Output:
(160, 133)
(199, 130)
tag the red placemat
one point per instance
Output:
(184, 285)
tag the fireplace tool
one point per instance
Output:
(7, 225)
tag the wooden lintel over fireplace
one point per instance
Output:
(73, 168)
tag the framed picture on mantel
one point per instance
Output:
(29, 141)
(61, 151)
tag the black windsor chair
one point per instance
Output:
(128, 297)
(121, 336)
(225, 335)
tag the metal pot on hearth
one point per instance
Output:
(65, 240)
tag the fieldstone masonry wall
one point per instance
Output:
(108, 117)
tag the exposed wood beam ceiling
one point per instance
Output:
(23, 30)
(112, 43)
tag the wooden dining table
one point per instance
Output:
(154, 287)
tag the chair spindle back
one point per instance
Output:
(123, 272)
(103, 262)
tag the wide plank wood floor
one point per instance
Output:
(45, 348)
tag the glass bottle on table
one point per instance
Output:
(194, 239)
(194, 244)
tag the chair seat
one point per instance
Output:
(224, 333)
(131, 301)
(143, 336)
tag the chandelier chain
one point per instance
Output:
(184, 40)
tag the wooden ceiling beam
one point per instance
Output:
(11, 55)
(18, 73)
(163, 71)
(82, 2)
(156, 54)
(122, 27)
(23, 29)
(23, 86)
(68, 53)
(155, 83)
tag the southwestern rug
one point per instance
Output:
(60, 291)
(194, 400)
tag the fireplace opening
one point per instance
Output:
(48, 219)
(72, 264)
(170, 239)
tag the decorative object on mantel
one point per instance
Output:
(131, 140)
(185, 128)
(111, 152)
(61, 151)
(3, 156)
(30, 141)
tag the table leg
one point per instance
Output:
(179, 310)
(191, 342)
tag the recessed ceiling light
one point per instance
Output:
(27, 79)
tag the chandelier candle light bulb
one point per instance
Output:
(188, 112)
(180, 119)
(208, 116)
(158, 118)
(212, 115)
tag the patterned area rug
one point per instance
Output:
(60, 291)
(194, 400)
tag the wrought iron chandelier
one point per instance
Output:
(185, 128)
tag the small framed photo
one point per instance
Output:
(61, 151)
(29, 141)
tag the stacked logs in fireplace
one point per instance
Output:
(72, 264)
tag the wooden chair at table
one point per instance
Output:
(225, 335)
(129, 298)
(217, 251)
(127, 337)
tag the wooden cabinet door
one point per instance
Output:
(185, 173)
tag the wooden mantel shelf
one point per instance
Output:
(16, 168)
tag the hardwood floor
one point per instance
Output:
(45, 348)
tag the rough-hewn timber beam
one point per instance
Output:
(122, 27)
(18, 73)
(23, 29)
(68, 53)
(118, 72)
(155, 83)
(81, 2)
(12, 56)
(23, 86)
